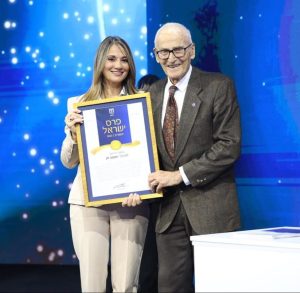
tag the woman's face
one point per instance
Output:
(116, 67)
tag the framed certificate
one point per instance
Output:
(117, 148)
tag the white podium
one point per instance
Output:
(248, 261)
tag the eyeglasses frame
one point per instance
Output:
(172, 51)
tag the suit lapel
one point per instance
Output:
(189, 112)
(188, 115)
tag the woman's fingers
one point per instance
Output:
(73, 117)
(132, 200)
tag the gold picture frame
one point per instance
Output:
(117, 148)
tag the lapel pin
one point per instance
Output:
(193, 104)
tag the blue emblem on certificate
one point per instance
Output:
(113, 124)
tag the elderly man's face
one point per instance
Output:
(174, 67)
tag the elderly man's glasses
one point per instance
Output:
(177, 52)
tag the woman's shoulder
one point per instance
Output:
(73, 100)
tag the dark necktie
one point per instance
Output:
(171, 123)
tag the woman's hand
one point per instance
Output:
(132, 200)
(71, 119)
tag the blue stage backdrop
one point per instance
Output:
(257, 44)
(47, 50)
(46, 55)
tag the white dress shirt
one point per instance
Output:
(179, 98)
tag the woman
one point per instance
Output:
(110, 232)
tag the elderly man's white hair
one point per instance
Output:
(174, 25)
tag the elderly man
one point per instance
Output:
(197, 123)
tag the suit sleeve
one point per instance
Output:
(69, 150)
(226, 138)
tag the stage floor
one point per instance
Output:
(39, 278)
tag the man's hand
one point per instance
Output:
(132, 200)
(160, 179)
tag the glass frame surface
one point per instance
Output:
(117, 148)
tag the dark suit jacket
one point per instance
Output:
(208, 144)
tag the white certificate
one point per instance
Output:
(117, 148)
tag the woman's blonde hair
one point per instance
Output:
(97, 89)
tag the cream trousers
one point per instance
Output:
(110, 229)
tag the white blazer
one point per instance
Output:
(70, 159)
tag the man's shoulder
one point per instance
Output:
(208, 75)
(158, 85)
